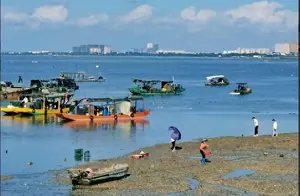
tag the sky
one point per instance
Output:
(190, 25)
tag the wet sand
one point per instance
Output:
(270, 162)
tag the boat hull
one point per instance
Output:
(244, 92)
(78, 179)
(77, 117)
(30, 111)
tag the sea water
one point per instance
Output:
(200, 112)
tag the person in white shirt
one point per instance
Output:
(274, 128)
(255, 121)
(25, 101)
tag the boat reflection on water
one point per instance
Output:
(31, 120)
(124, 125)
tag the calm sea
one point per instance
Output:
(200, 112)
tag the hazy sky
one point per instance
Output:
(191, 25)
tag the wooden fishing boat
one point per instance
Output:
(106, 110)
(217, 80)
(37, 105)
(82, 77)
(92, 176)
(149, 87)
(242, 89)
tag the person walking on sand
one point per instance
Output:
(255, 121)
(203, 151)
(275, 133)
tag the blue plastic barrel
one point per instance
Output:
(105, 111)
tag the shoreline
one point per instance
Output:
(273, 162)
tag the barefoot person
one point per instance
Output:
(255, 121)
(203, 151)
(275, 133)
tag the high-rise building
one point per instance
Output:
(152, 48)
(92, 48)
(287, 48)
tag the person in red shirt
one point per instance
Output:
(203, 151)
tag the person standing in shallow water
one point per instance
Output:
(275, 133)
(255, 121)
(20, 80)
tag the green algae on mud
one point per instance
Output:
(166, 172)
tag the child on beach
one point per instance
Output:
(203, 151)
(274, 128)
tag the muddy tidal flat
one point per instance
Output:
(261, 165)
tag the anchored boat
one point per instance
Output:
(82, 77)
(39, 105)
(91, 176)
(155, 87)
(105, 109)
(217, 80)
(242, 89)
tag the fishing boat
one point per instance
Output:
(217, 80)
(37, 105)
(82, 77)
(12, 91)
(90, 176)
(105, 109)
(242, 89)
(155, 87)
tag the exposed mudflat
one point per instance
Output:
(261, 165)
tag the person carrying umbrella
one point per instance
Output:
(203, 151)
(175, 135)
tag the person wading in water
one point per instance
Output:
(203, 151)
(20, 80)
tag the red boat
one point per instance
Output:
(106, 110)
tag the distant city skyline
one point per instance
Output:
(191, 25)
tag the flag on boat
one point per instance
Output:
(175, 133)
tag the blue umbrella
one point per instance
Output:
(175, 133)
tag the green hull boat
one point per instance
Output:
(155, 87)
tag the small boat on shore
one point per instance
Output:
(217, 80)
(105, 109)
(149, 87)
(242, 89)
(82, 77)
(39, 105)
(92, 176)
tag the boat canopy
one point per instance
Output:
(151, 81)
(108, 99)
(214, 77)
(53, 95)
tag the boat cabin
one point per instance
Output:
(108, 106)
(217, 79)
(150, 85)
(241, 86)
(46, 102)
(54, 83)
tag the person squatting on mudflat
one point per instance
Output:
(275, 133)
(255, 121)
(203, 152)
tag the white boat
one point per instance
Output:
(216, 80)
(82, 77)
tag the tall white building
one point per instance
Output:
(107, 50)
(287, 48)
